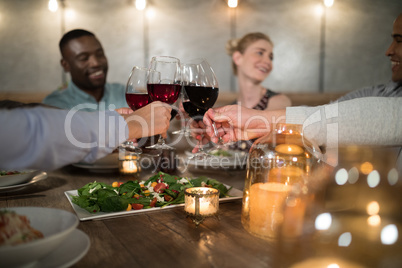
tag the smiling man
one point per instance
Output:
(83, 57)
(394, 87)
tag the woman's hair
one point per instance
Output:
(243, 43)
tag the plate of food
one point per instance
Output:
(28, 234)
(108, 163)
(220, 159)
(36, 176)
(13, 177)
(161, 191)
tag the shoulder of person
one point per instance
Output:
(57, 98)
(116, 86)
(278, 101)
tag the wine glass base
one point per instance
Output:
(130, 147)
(160, 147)
(200, 156)
(184, 132)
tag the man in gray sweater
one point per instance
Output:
(368, 116)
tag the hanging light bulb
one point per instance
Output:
(53, 5)
(140, 4)
(70, 14)
(232, 3)
(328, 3)
(150, 13)
(319, 10)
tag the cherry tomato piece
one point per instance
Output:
(137, 206)
(160, 187)
(153, 202)
(167, 197)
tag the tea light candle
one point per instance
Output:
(327, 262)
(291, 149)
(128, 164)
(201, 202)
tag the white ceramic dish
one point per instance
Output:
(84, 215)
(68, 253)
(14, 179)
(106, 164)
(38, 177)
(55, 224)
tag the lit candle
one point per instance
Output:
(205, 208)
(327, 262)
(266, 207)
(267, 200)
(201, 200)
(128, 164)
(291, 149)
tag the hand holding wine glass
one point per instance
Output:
(201, 87)
(136, 97)
(164, 84)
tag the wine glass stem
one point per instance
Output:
(215, 129)
(161, 140)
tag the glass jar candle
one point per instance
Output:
(277, 162)
(201, 202)
(358, 221)
(128, 163)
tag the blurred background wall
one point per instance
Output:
(357, 33)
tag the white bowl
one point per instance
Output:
(55, 224)
(24, 176)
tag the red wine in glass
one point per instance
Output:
(167, 93)
(193, 111)
(202, 97)
(200, 100)
(137, 100)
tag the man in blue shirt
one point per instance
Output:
(83, 57)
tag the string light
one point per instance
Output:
(70, 14)
(328, 3)
(140, 4)
(53, 5)
(232, 3)
(319, 10)
(150, 13)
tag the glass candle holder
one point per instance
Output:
(128, 163)
(358, 221)
(277, 163)
(200, 203)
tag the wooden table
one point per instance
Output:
(158, 239)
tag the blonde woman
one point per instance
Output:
(252, 62)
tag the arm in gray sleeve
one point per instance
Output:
(46, 139)
(361, 121)
(391, 89)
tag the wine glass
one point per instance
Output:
(184, 130)
(164, 84)
(201, 87)
(136, 97)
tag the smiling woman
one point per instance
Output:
(252, 62)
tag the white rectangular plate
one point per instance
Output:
(84, 215)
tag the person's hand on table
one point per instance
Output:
(150, 120)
